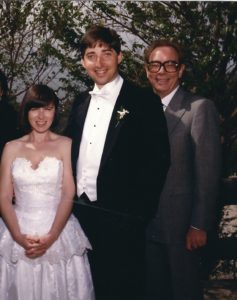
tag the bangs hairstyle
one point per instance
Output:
(36, 96)
(102, 35)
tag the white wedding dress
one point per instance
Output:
(63, 272)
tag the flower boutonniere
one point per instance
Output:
(121, 114)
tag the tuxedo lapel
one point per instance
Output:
(175, 110)
(82, 112)
(115, 125)
(80, 116)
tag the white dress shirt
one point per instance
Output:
(166, 100)
(94, 134)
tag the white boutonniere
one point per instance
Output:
(121, 114)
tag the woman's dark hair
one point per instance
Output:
(3, 86)
(36, 96)
(99, 34)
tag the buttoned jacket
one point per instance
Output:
(136, 154)
(190, 192)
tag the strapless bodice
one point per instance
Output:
(37, 196)
(38, 188)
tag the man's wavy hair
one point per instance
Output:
(163, 43)
(102, 35)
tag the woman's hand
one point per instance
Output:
(39, 245)
(47, 240)
(26, 241)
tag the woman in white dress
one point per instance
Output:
(43, 250)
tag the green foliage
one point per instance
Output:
(207, 32)
(40, 41)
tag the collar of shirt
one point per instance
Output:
(166, 100)
(109, 90)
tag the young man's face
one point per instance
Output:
(101, 63)
(164, 82)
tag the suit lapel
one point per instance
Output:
(175, 110)
(115, 125)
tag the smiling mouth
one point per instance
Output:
(100, 72)
(162, 81)
(41, 123)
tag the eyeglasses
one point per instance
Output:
(169, 66)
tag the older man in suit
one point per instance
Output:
(186, 210)
(120, 156)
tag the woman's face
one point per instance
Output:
(41, 118)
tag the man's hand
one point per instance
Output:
(195, 238)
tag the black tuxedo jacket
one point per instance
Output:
(136, 154)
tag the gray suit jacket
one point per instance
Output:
(191, 189)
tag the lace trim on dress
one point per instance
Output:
(72, 241)
(38, 193)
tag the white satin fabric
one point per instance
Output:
(63, 272)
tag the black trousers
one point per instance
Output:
(118, 257)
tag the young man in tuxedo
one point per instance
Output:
(186, 210)
(120, 156)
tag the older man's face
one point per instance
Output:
(164, 82)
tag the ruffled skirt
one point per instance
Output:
(62, 273)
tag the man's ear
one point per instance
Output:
(146, 69)
(181, 70)
(120, 57)
(82, 62)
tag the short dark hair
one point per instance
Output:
(38, 95)
(100, 34)
(3, 86)
(163, 43)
